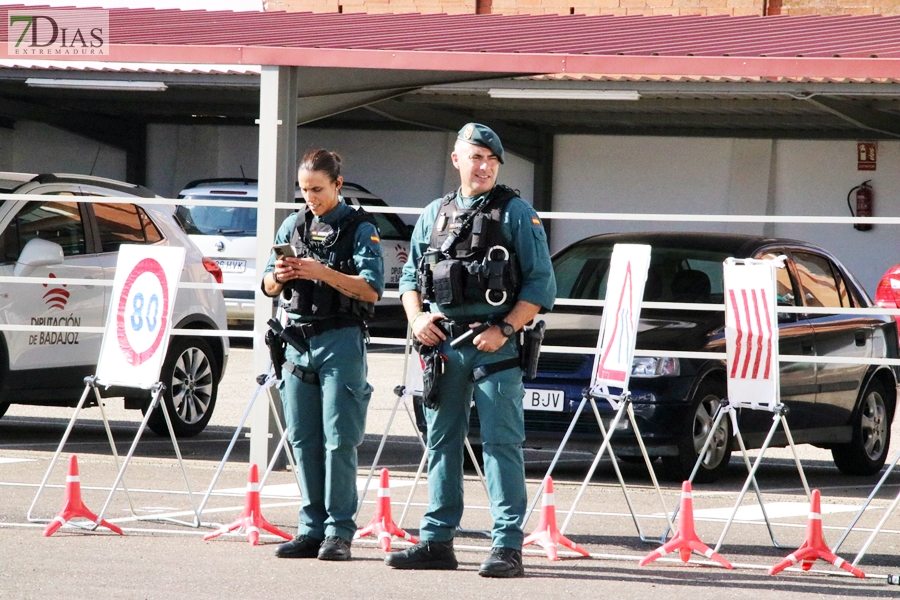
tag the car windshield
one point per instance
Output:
(217, 220)
(675, 274)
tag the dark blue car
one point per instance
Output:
(844, 407)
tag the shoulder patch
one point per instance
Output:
(536, 221)
(375, 238)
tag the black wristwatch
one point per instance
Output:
(506, 329)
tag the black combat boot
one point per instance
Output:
(334, 548)
(301, 546)
(503, 562)
(438, 556)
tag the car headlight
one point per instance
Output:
(649, 366)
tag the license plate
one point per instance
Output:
(232, 266)
(549, 400)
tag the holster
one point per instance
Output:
(276, 350)
(432, 370)
(277, 339)
(531, 349)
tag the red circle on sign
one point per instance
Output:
(147, 265)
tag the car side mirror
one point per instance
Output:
(37, 253)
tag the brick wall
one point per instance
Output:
(596, 7)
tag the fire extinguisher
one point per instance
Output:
(865, 200)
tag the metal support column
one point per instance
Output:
(277, 163)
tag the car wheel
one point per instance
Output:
(705, 402)
(867, 451)
(191, 377)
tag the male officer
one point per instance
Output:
(480, 254)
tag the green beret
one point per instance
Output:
(482, 135)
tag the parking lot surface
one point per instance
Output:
(158, 559)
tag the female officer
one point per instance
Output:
(328, 291)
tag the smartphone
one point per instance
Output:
(282, 250)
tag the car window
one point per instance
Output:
(217, 220)
(784, 284)
(124, 224)
(817, 281)
(675, 274)
(58, 222)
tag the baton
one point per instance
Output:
(456, 343)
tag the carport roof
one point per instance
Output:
(751, 46)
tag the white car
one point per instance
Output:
(64, 238)
(228, 235)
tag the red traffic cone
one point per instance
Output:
(251, 519)
(685, 540)
(73, 506)
(547, 535)
(382, 524)
(814, 547)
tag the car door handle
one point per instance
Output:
(806, 348)
(860, 337)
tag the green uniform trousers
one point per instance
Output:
(326, 422)
(498, 399)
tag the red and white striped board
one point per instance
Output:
(751, 333)
(621, 315)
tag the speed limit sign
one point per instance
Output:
(139, 318)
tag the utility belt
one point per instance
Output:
(296, 335)
(460, 332)
(308, 329)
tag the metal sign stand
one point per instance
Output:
(633, 279)
(622, 404)
(264, 382)
(779, 411)
(862, 509)
(91, 383)
(768, 387)
(726, 408)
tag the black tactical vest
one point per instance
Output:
(468, 260)
(335, 249)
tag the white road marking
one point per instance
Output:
(5, 461)
(775, 510)
(290, 490)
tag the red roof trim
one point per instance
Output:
(515, 63)
(815, 46)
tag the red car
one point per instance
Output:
(887, 295)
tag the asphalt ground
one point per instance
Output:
(160, 559)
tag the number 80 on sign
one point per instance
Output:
(141, 311)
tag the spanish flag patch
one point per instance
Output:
(375, 238)
(536, 221)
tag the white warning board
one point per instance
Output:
(621, 314)
(751, 333)
(139, 317)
